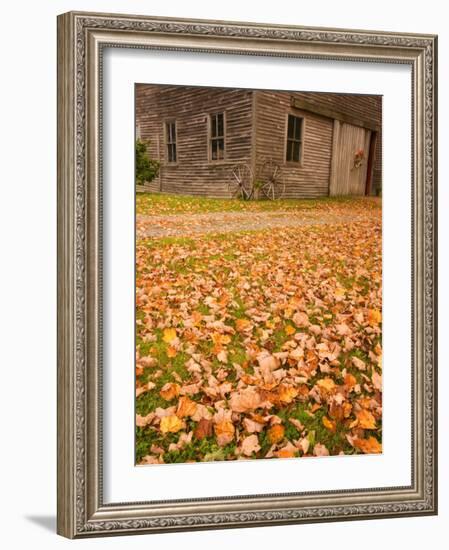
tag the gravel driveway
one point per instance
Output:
(224, 222)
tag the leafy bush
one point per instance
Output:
(146, 168)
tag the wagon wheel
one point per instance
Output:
(273, 186)
(241, 182)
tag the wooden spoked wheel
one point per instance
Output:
(241, 182)
(272, 184)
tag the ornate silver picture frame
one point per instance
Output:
(82, 510)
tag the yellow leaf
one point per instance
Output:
(169, 335)
(326, 384)
(366, 420)
(374, 316)
(287, 393)
(368, 446)
(339, 293)
(171, 424)
(220, 339)
(330, 425)
(289, 330)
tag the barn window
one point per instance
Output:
(170, 133)
(294, 138)
(217, 136)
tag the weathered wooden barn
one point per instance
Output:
(326, 144)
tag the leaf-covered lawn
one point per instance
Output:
(259, 344)
(161, 204)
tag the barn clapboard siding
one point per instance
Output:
(308, 178)
(194, 173)
(334, 127)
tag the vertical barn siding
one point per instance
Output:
(193, 173)
(346, 179)
(310, 178)
(367, 107)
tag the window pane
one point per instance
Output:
(294, 138)
(220, 143)
(217, 142)
(171, 152)
(296, 145)
(220, 124)
(291, 122)
(298, 127)
(171, 132)
(214, 149)
(289, 150)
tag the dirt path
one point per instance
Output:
(224, 222)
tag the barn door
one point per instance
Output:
(349, 159)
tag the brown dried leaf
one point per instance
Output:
(203, 429)
(320, 450)
(245, 400)
(250, 445)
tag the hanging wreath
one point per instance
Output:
(358, 158)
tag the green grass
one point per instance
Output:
(160, 204)
(204, 450)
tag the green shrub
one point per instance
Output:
(146, 168)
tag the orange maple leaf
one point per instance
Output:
(276, 433)
(169, 391)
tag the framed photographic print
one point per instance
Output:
(246, 274)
